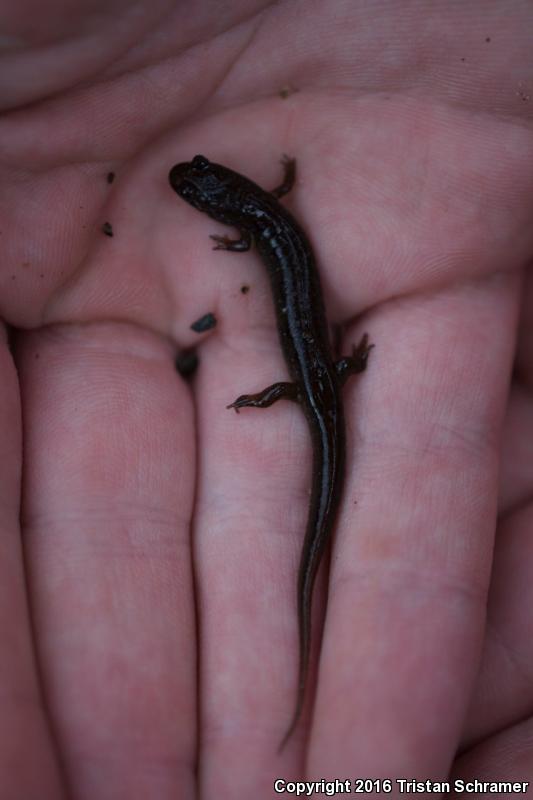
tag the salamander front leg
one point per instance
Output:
(289, 176)
(235, 245)
(277, 391)
(356, 362)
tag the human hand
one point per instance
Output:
(413, 141)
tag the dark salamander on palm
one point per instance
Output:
(316, 380)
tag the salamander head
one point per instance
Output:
(206, 186)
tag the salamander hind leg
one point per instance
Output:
(289, 176)
(267, 397)
(356, 362)
(234, 245)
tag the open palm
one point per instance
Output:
(151, 537)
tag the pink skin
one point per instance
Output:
(414, 138)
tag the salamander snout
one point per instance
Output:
(188, 170)
(201, 183)
(195, 181)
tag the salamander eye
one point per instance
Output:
(199, 162)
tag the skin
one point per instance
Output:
(137, 580)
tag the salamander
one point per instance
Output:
(316, 379)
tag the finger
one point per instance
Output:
(28, 762)
(411, 562)
(109, 472)
(251, 507)
(503, 692)
(505, 758)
